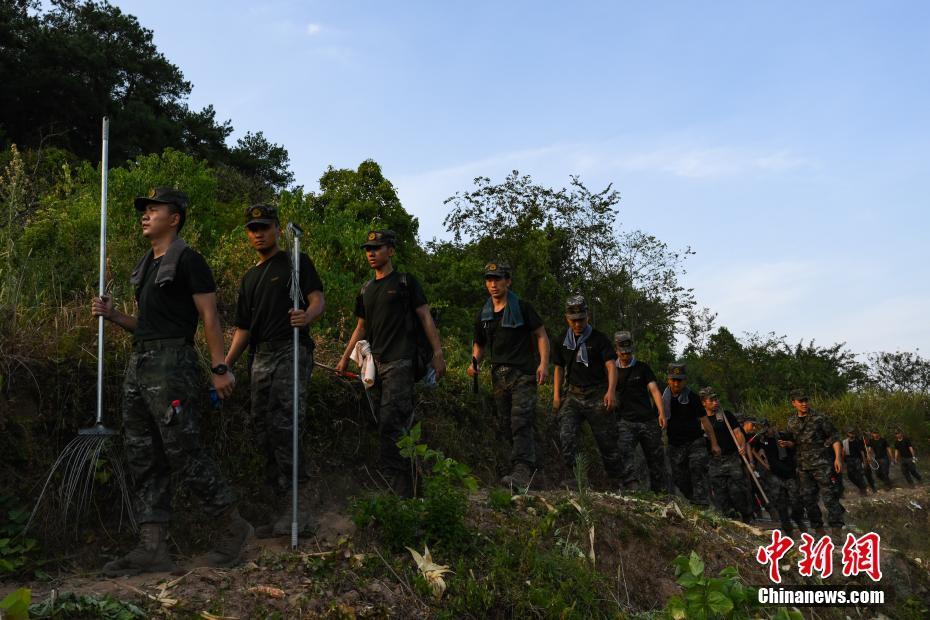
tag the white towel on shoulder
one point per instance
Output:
(361, 355)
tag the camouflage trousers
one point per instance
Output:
(689, 470)
(884, 471)
(909, 469)
(156, 446)
(785, 495)
(817, 483)
(856, 473)
(272, 383)
(392, 397)
(588, 405)
(648, 435)
(732, 496)
(867, 470)
(515, 398)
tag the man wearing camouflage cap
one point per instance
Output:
(686, 428)
(640, 414)
(163, 389)
(265, 319)
(510, 334)
(388, 308)
(820, 461)
(728, 480)
(585, 362)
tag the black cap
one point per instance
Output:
(798, 394)
(764, 422)
(707, 393)
(623, 341)
(164, 196)
(261, 214)
(576, 307)
(377, 238)
(676, 370)
(497, 269)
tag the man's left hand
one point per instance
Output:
(299, 318)
(224, 384)
(542, 374)
(439, 365)
(837, 466)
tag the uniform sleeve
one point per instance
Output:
(309, 278)
(481, 336)
(417, 296)
(531, 317)
(196, 273)
(558, 355)
(243, 318)
(830, 433)
(648, 375)
(607, 349)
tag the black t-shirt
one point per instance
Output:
(904, 447)
(724, 439)
(634, 402)
(856, 449)
(510, 346)
(168, 311)
(782, 467)
(264, 309)
(880, 448)
(684, 422)
(600, 351)
(389, 316)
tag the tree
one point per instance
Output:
(903, 371)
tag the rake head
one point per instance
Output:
(98, 430)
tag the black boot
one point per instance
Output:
(149, 556)
(234, 533)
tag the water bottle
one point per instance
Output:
(174, 410)
(215, 401)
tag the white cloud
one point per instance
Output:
(313, 29)
(701, 163)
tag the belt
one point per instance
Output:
(160, 344)
(588, 389)
(276, 345)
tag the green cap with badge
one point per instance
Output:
(676, 370)
(496, 269)
(708, 393)
(162, 195)
(799, 394)
(261, 214)
(377, 238)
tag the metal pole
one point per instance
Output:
(101, 285)
(296, 294)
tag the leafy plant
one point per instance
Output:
(15, 605)
(68, 605)
(14, 548)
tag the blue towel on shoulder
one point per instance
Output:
(513, 316)
(571, 343)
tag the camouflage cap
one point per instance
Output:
(708, 393)
(576, 307)
(850, 430)
(764, 422)
(261, 214)
(164, 196)
(497, 269)
(676, 370)
(377, 238)
(798, 394)
(623, 341)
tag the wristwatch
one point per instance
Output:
(220, 369)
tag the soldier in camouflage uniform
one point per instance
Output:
(509, 332)
(163, 389)
(640, 414)
(585, 361)
(388, 308)
(820, 461)
(689, 431)
(727, 472)
(265, 319)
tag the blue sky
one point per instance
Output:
(786, 143)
